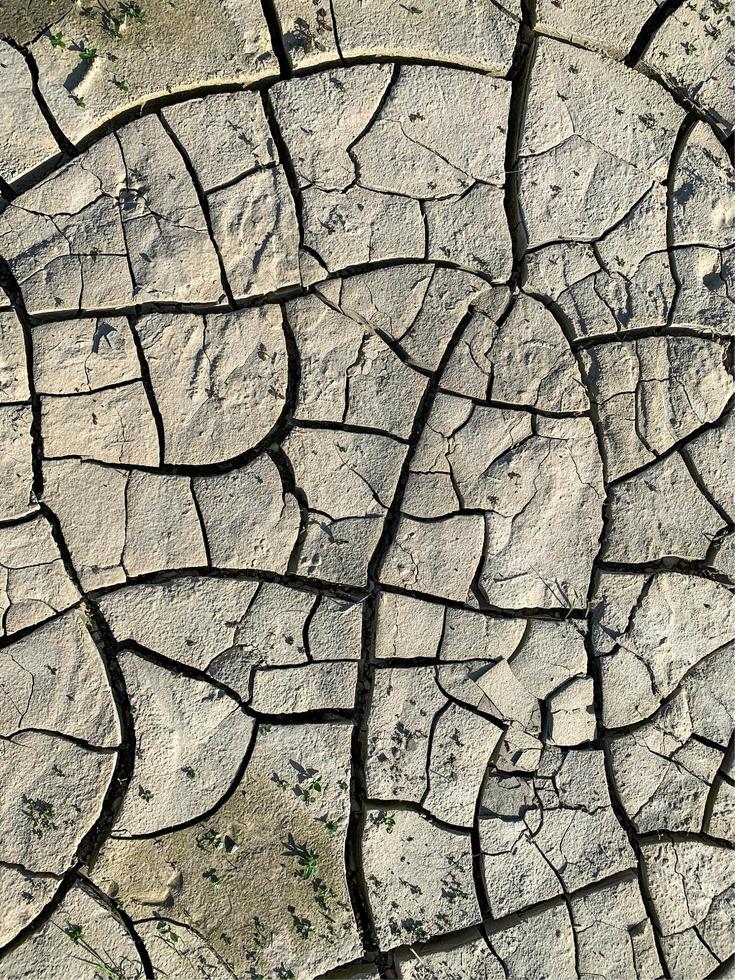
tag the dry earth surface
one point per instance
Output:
(367, 499)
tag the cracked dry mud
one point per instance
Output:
(367, 501)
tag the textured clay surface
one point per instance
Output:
(367, 496)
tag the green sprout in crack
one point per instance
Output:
(167, 934)
(307, 859)
(385, 819)
(41, 814)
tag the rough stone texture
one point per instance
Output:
(367, 513)
(692, 889)
(692, 53)
(462, 464)
(419, 877)
(598, 26)
(549, 832)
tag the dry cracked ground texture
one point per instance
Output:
(367, 504)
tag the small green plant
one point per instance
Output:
(303, 926)
(135, 12)
(311, 788)
(411, 9)
(306, 858)
(211, 840)
(57, 40)
(41, 814)
(262, 936)
(189, 772)
(80, 101)
(264, 729)
(87, 55)
(74, 932)
(167, 934)
(119, 83)
(216, 880)
(323, 895)
(387, 820)
(332, 827)
(112, 21)
(689, 48)
(145, 794)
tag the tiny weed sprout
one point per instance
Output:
(80, 101)
(387, 820)
(145, 794)
(211, 840)
(167, 934)
(215, 880)
(689, 48)
(41, 814)
(74, 932)
(311, 789)
(87, 55)
(188, 772)
(307, 859)
(262, 936)
(57, 41)
(135, 12)
(303, 926)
